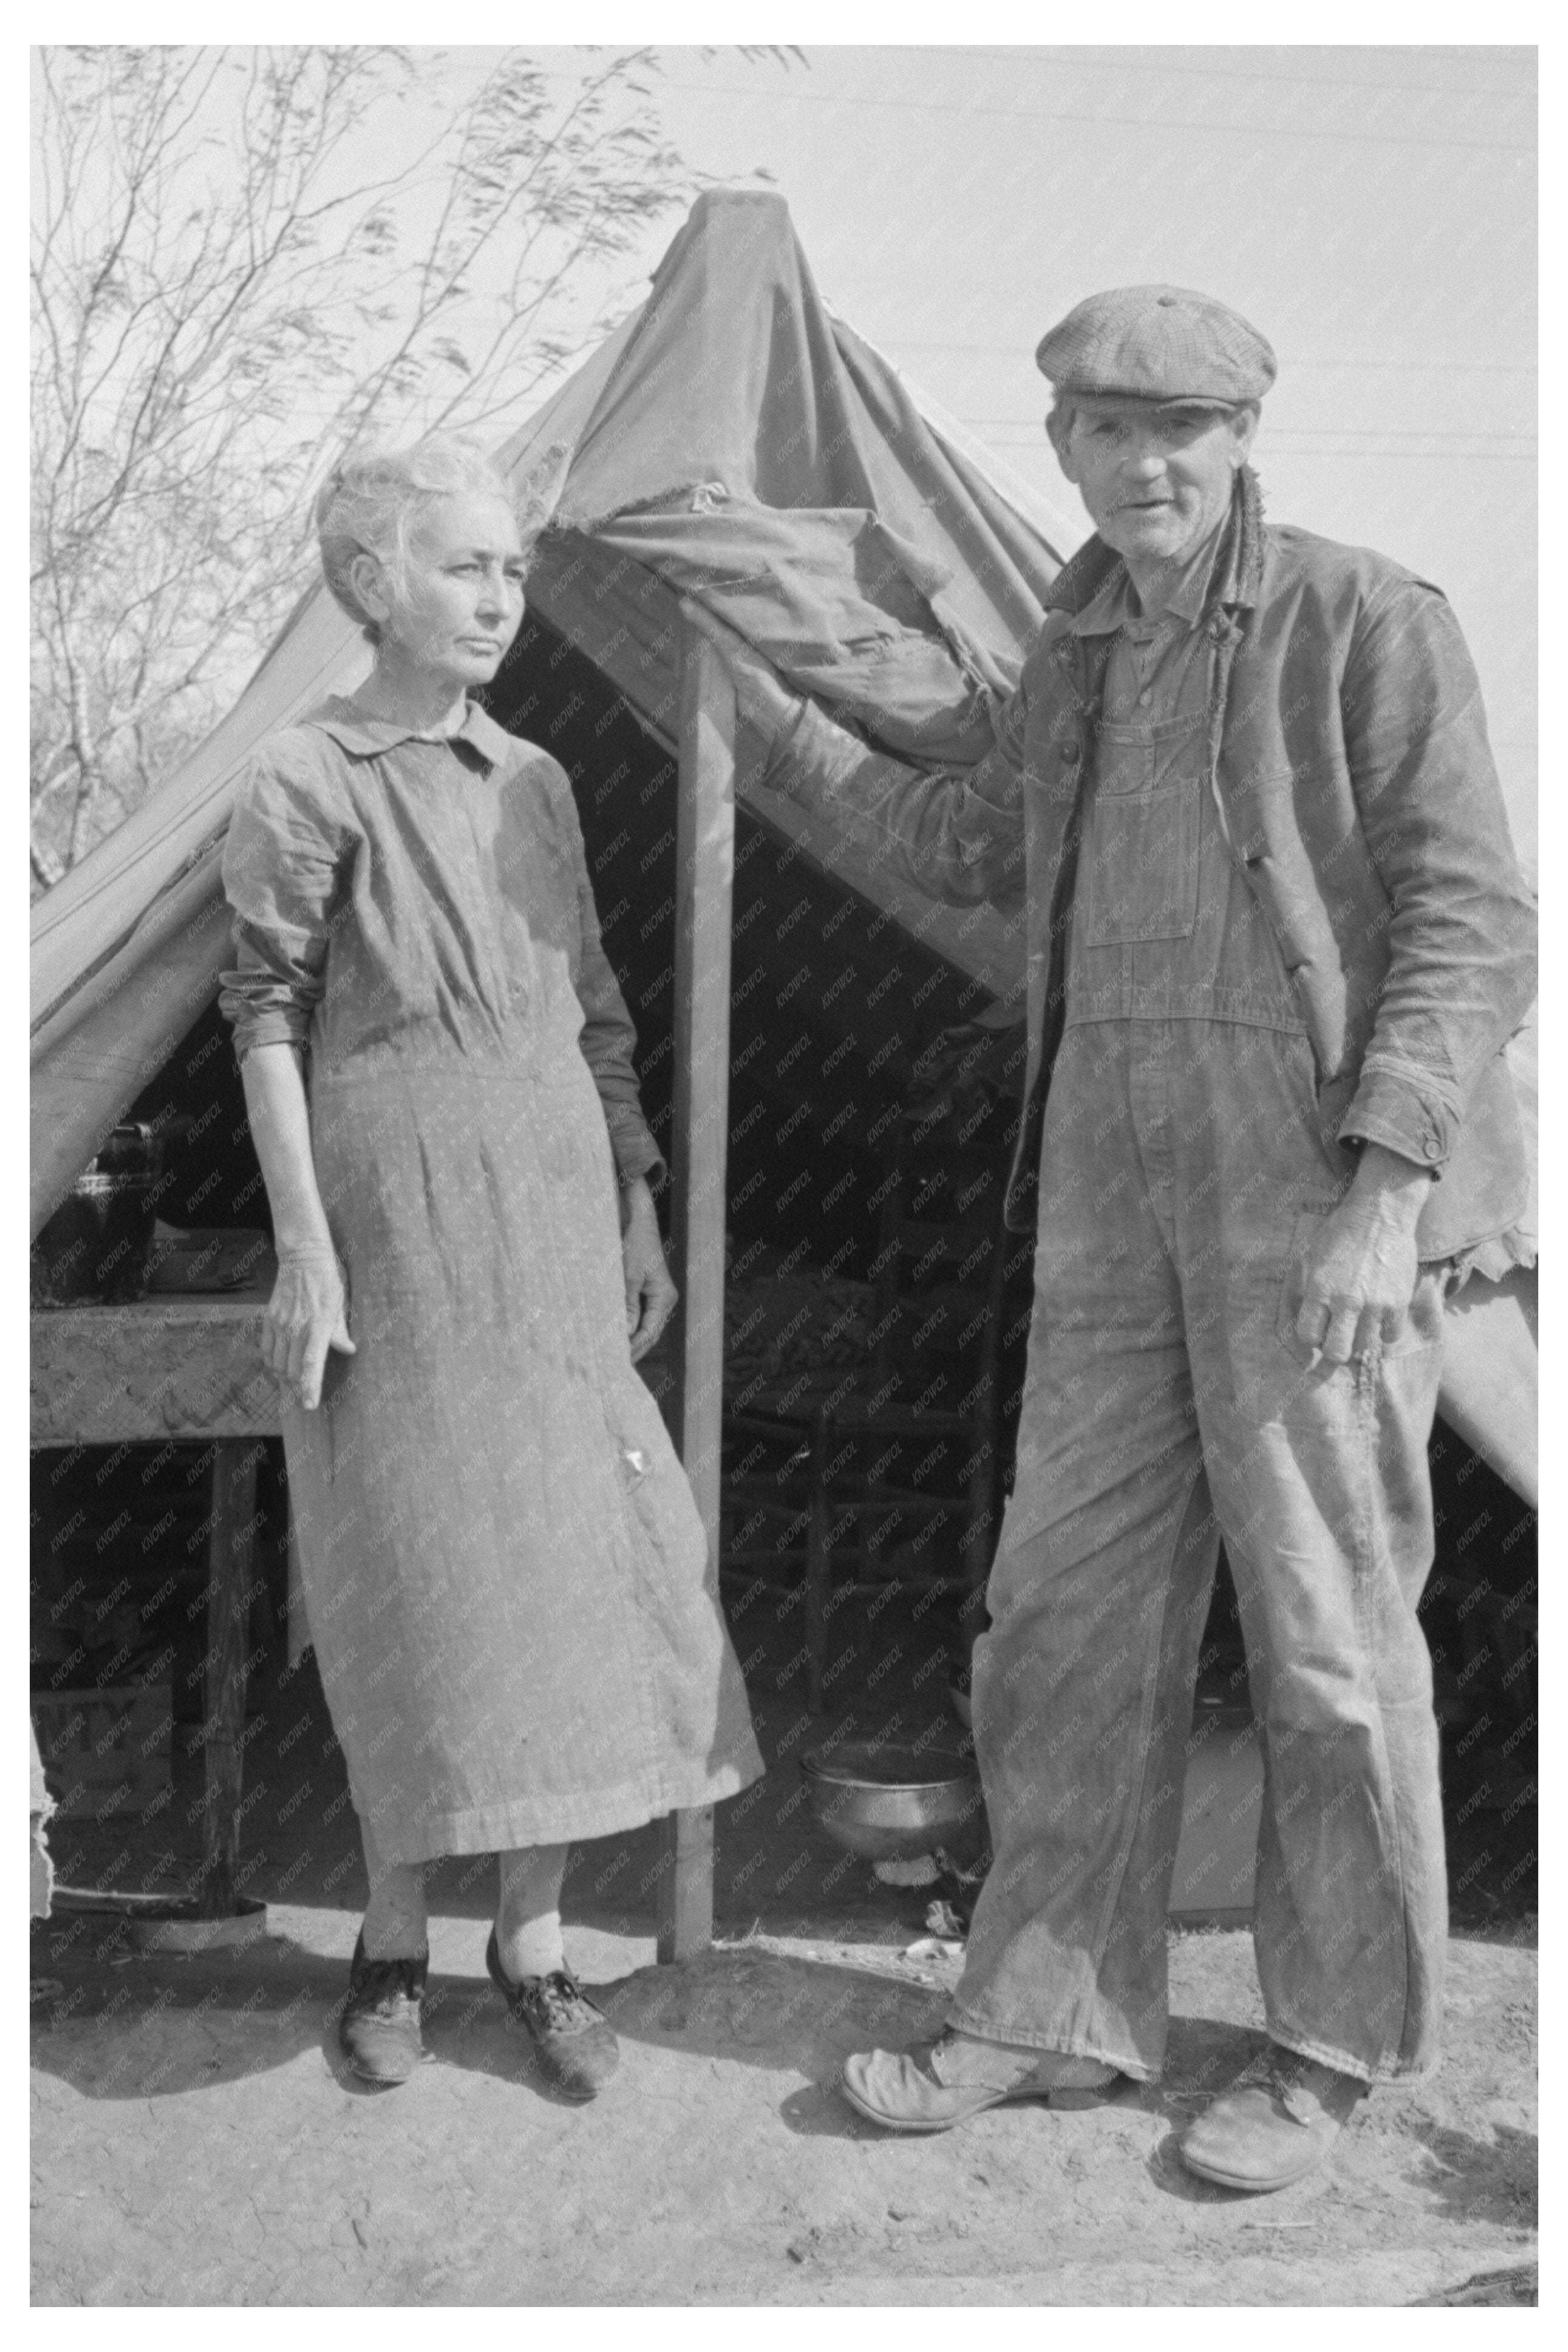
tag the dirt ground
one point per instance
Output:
(195, 2140)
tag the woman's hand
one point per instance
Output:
(652, 1295)
(306, 1315)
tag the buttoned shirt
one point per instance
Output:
(1155, 670)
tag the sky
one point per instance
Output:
(1372, 210)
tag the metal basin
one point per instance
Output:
(889, 1802)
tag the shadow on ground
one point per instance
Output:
(196, 2141)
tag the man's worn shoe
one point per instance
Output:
(943, 2082)
(379, 2029)
(576, 2043)
(1265, 2134)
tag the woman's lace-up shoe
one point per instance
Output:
(577, 2048)
(1267, 2134)
(379, 2029)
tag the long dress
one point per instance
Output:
(508, 1590)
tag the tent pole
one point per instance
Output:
(705, 868)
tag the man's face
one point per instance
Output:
(1155, 481)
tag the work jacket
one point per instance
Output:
(1349, 761)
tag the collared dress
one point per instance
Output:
(509, 1595)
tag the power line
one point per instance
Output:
(1327, 432)
(1463, 457)
(1282, 446)
(1068, 63)
(1134, 122)
(1323, 446)
(1434, 367)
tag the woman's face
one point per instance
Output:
(462, 598)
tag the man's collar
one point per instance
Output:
(364, 737)
(1115, 604)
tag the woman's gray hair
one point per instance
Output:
(372, 504)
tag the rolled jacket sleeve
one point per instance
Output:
(282, 870)
(1461, 973)
(958, 834)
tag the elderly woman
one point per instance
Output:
(508, 1583)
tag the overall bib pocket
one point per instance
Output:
(1143, 838)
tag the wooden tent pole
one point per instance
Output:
(705, 869)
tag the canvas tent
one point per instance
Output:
(736, 448)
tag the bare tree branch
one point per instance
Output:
(230, 282)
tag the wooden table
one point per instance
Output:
(189, 1369)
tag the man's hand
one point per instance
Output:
(1351, 1297)
(762, 701)
(306, 1316)
(652, 1295)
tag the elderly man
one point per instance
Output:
(1278, 941)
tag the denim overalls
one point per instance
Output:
(1167, 1404)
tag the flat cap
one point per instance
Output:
(1157, 342)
